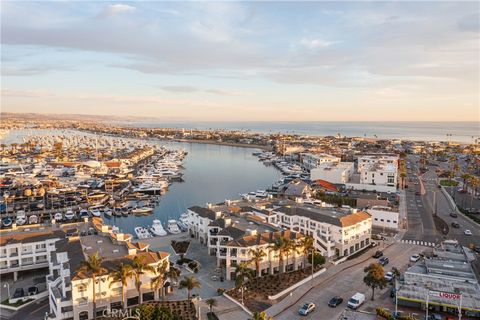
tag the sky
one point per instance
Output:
(243, 61)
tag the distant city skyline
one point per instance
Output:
(243, 61)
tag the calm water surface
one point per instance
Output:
(212, 173)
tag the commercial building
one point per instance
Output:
(333, 172)
(313, 160)
(446, 280)
(384, 217)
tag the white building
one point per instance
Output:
(366, 161)
(198, 220)
(333, 172)
(337, 233)
(384, 217)
(312, 160)
(21, 251)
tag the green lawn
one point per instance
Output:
(448, 183)
(16, 304)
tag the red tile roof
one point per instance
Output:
(325, 184)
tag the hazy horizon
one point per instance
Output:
(243, 61)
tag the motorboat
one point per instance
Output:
(117, 212)
(95, 212)
(182, 226)
(7, 222)
(172, 227)
(69, 215)
(58, 216)
(142, 233)
(115, 229)
(184, 219)
(84, 214)
(108, 213)
(21, 218)
(125, 212)
(33, 219)
(157, 228)
(142, 210)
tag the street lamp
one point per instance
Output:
(7, 285)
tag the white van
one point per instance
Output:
(356, 301)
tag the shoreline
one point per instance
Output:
(221, 143)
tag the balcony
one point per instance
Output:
(14, 254)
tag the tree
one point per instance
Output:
(396, 272)
(158, 282)
(261, 316)
(122, 274)
(280, 246)
(307, 245)
(257, 256)
(211, 303)
(189, 283)
(466, 179)
(92, 267)
(139, 267)
(474, 182)
(242, 275)
(290, 246)
(375, 277)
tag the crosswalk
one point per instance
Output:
(419, 243)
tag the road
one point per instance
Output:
(421, 207)
(345, 283)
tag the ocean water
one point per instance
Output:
(432, 131)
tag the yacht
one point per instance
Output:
(142, 210)
(7, 222)
(182, 226)
(184, 219)
(58, 216)
(157, 228)
(33, 219)
(69, 215)
(95, 212)
(21, 218)
(108, 213)
(142, 233)
(149, 188)
(172, 227)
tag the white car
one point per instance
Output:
(389, 276)
(306, 309)
(415, 258)
(468, 232)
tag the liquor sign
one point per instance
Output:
(445, 295)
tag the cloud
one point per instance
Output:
(180, 89)
(26, 93)
(315, 43)
(118, 8)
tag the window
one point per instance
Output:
(81, 288)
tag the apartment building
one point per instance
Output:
(22, 251)
(333, 172)
(198, 220)
(337, 232)
(366, 161)
(313, 160)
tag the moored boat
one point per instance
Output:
(157, 228)
(172, 227)
(142, 233)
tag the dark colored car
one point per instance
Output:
(455, 224)
(377, 254)
(32, 291)
(383, 261)
(19, 292)
(453, 215)
(335, 301)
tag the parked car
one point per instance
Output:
(455, 224)
(356, 300)
(33, 291)
(453, 215)
(19, 292)
(467, 232)
(335, 301)
(415, 258)
(389, 276)
(377, 254)
(306, 309)
(383, 261)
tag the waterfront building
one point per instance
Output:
(333, 172)
(445, 280)
(314, 160)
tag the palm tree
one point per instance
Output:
(403, 175)
(139, 267)
(280, 246)
(474, 182)
(122, 274)
(92, 267)
(158, 282)
(307, 244)
(242, 275)
(189, 283)
(289, 246)
(466, 178)
(211, 303)
(257, 256)
(261, 316)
